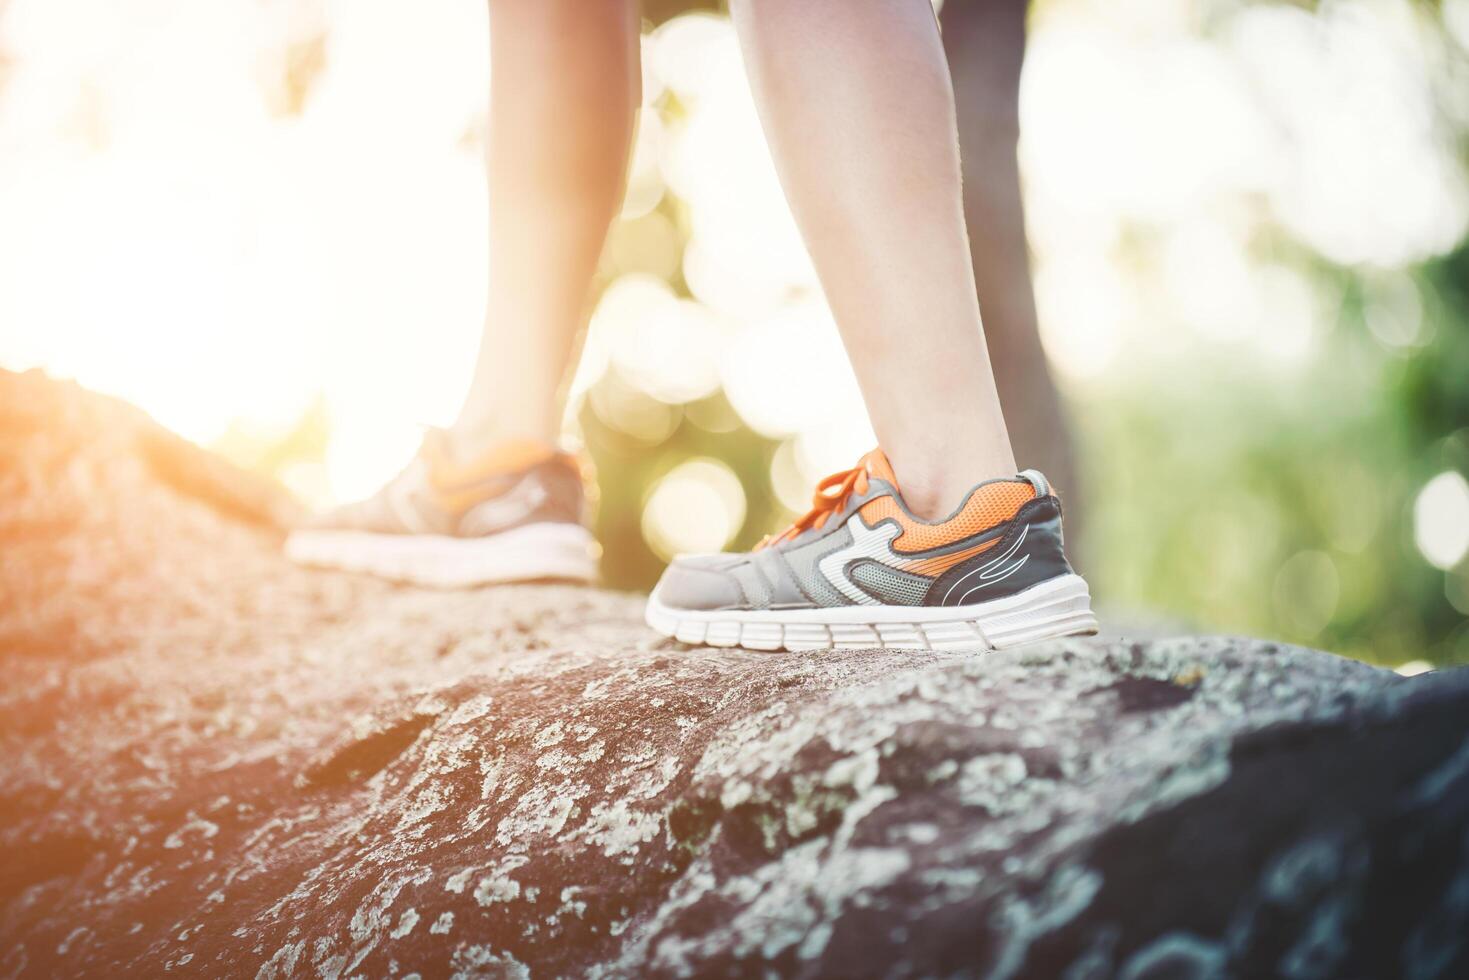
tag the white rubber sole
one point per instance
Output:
(1057, 607)
(559, 551)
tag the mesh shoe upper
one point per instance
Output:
(513, 485)
(860, 545)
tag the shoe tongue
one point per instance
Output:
(878, 467)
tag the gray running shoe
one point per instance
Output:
(514, 515)
(859, 570)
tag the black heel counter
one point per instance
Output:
(1031, 552)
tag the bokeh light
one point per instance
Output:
(1441, 519)
(696, 508)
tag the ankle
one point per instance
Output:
(931, 502)
(934, 492)
(467, 441)
(927, 503)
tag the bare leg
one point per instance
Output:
(858, 107)
(564, 90)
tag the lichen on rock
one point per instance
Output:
(215, 763)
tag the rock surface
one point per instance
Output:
(217, 764)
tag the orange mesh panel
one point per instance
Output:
(939, 564)
(991, 504)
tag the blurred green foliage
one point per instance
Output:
(1221, 494)
(1219, 497)
(1287, 510)
(1238, 504)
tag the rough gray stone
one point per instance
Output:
(215, 764)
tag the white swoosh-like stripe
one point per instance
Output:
(992, 568)
(867, 542)
(984, 585)
(505, 510)
(876, 543)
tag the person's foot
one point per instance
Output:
(515, 514)
(859, 570)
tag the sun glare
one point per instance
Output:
(178, 232)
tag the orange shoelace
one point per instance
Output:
(830, 494)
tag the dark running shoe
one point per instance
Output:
(859, 570)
